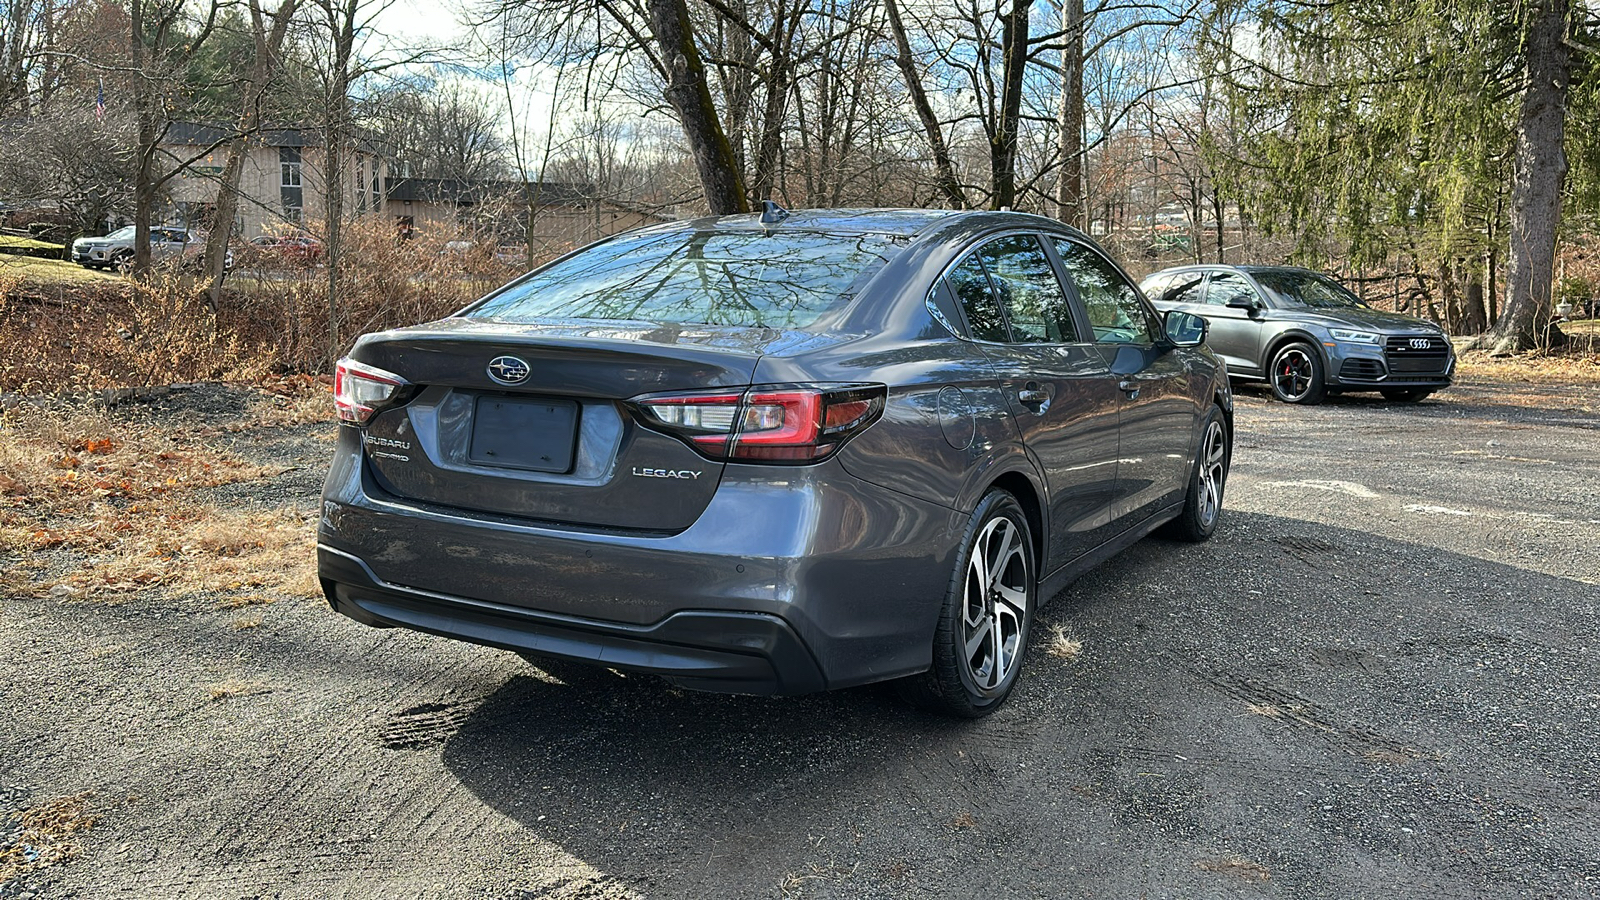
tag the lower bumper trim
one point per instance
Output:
(726, 652)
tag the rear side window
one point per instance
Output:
(1028, 290)
(1116, 308)
(971, 287)
(782, 280)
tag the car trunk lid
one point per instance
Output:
(546, 436)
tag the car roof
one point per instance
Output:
(899, 221)
(1249, 270)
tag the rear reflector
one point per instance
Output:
(360, 390)
(767, 423)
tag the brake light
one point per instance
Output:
(777, 423)
(361, 390)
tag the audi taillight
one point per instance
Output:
(776, 423)
(361, 390)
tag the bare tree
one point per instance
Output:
(267, 31)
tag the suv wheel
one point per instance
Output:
(123, 262)
(988, 610)
(1296, 374)
(1203, 505)
(1405, 395)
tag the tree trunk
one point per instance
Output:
(948, 184)
(342, 27)
(267, 47)
(690, 96)
(1536, 182)
(1003, 139)
(144, 187)
(1473, 318)
(1069, 119)
(261, 71)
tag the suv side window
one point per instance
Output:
(971, 286)
(1028, 290)
(1116, 308)
(1189, 286)
(1226, 286)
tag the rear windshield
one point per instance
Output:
(782, 280)
(1307, 289)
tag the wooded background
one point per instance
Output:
(1439, 154)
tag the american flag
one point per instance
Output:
(100, 102)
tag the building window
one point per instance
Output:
(290, 194)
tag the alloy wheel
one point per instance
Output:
(995, 604)
(1293, 374)
(1213, 472)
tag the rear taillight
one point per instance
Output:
(360, 390)
(768, 423)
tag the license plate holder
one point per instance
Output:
(536, 434)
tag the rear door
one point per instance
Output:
(1158, 391)
(1060, 392)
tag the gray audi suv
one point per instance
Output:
(1305, 334)
(775, 454)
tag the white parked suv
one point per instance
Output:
(168, 244)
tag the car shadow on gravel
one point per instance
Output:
(1345, 714)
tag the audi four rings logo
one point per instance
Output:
(508, 370)
(1419, 343)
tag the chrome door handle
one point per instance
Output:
(1129, 387)
(1031, 397)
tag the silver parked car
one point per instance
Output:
(169, 245)
(1305, 334)
(775, 454)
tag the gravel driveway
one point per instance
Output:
(1379, 679)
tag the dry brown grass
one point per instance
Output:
(1063, 645)
(44, 835)
(234, 687)
(123, 498)
(1237, 866)
(111, 332)
(1532, 368)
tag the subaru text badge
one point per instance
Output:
(508, 370)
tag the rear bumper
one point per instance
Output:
(748, 653)
(790, 580)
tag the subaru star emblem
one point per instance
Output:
(508, 370)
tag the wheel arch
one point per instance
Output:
(1295, 336)
(1021, 482)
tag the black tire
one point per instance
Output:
(123, 262)
(1405, 395)
(1295, 374)
(1202, 507)
(995, 623)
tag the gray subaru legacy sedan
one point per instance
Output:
(775, 453)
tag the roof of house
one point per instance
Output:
(199, 134)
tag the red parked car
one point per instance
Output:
(297, 248)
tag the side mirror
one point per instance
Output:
(1249, 304)
(1186, 329)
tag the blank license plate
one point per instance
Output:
(539, 435)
